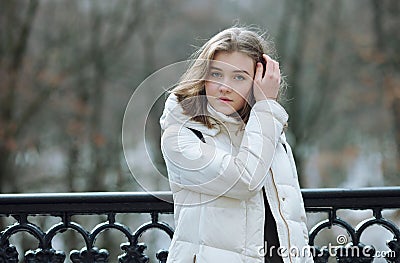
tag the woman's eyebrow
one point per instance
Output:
(215, 68)
(241, 71)
(234, 71)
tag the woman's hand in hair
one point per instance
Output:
(267, 86)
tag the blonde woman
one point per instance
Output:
(232, 174)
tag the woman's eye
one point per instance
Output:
(239, 77)
(216, 74)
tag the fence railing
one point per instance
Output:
(65, 206)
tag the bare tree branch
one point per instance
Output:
(130, 27)
(283, 31)
(295, 68)
(15, 65)
(315, 111)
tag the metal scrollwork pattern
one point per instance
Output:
(69, 204)
(8, 253)
(44, 255)
(353, 250)
(134, 251)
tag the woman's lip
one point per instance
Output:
(225, 99)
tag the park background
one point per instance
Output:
(69, 67)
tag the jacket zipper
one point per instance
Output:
(265, 200)
(280, 212)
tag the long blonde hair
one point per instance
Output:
(191, 88)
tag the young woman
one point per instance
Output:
(231, 171)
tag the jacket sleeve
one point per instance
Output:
(204, 168)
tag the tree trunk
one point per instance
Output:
(387, 42)
(294, 90)
(7, 106)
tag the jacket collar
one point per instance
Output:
(173, 115)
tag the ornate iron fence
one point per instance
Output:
(67, 205)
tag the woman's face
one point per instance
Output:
(229, 81)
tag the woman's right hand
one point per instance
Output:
(267, 87)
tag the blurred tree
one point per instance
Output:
(67, 78)
(104, 48)
(154, 25)
(76, 68)
(16, 28)
(386, 24)
(306, 112)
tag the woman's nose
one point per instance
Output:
(224, 87)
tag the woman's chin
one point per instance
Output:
(227, 112)
(225, 109)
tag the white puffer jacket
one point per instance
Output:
(217, 186)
